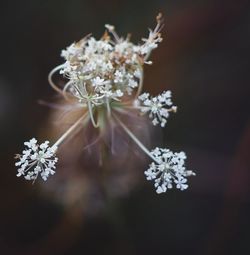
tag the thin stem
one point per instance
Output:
(147, 109)
(69, 131)
(140, 84)
(31, 165)
(147, 56)
(134, 138)
(135, 107)
(108, 107)
(113, 32)
(91, 114)
(52, 84)
(65, 90)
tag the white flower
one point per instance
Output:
(106, 65)
(118, 77)
(36, 160)
(137, 74)
(105, 46)
(167, 170)
(154, 38)
(181, 183)
(119, 93)
(132, 83)
(110, 27)
(123, 47)
(158, 107)
(96, 82)
(72, 51)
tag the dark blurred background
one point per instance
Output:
(204, 60)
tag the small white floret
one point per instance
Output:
(158, 107)
(37, 159)
(167, 170)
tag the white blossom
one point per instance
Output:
(158, 107)
(150, 43)
(72, 51)
(118, 76)
(36, 160)
(119, 93)
(107, 65)
(137, 74)
(109, 27)
(154, 38)
(132, 83)
(168, 170)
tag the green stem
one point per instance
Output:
(91, 115)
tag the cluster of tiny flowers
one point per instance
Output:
(158, 107)
(99, 73)
(36, 159)
(167, 170)
(109, 68)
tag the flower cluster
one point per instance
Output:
(108, 68)
(36, 160)
(168, 169)
(158, 107)
(104, 78)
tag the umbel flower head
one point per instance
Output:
(168, 169)
(158, 107)
(36, 160)
(104, 78)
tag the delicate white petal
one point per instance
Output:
(158, 107)
(40, 160)
(110, 67)
(168, 170)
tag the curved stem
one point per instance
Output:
(140, 84)
(52, 84)
(147, 56)
(65, 90)
(134, 138)
(69, 131)
(91, 114)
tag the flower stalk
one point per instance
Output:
(81, 120)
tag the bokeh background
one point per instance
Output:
(204, 60)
